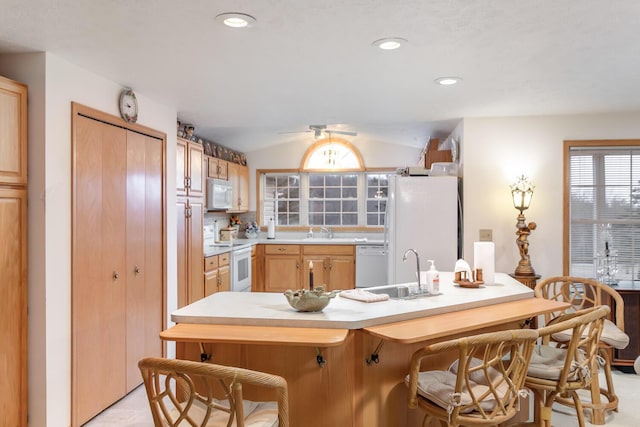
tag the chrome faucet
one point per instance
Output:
(404, 258)
(327, 230)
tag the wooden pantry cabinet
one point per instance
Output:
(190, 163)
(287, 266)
(13, 252)
(190, 249)
(118, 248)
(217, 274)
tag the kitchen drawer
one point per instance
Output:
(282, 249)
(328, 250)
(223, 259)
(210, 263)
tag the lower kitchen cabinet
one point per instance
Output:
(334, 266)
(217, 274)
(281, 267)
(287, 266)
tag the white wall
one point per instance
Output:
(50, 185)
(497, 150)
(289, 156)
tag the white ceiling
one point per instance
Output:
(312, 62)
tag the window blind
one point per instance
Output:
(604, 205)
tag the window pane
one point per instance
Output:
(349, 219)
(350, 206)
(377, 190)
(604, 209)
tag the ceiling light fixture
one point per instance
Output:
(389, 43)
(448, 81)
(236, 20)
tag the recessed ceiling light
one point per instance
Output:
(390, 43)
(236, 20)
(448, 81)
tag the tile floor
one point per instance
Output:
(133, 411)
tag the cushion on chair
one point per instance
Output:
(257, 414)
(439, 386)
(547, 363)
(611, 335)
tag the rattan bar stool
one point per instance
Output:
(482, 387)
(582, 293)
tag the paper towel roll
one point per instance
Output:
(484, 258)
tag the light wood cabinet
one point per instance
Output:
(287, 267)
(334, 266)
(239, 178)
(117, 258)
(190, 247)
(217, 168)
(217, 274)
(190, 174)
(13, 252)
(281, 267)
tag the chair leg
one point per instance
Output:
(579, 409)
(610, 392)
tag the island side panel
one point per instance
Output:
(318, 396)
(381, 393)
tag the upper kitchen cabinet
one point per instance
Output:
(217, 168)
(239, 177)
(190, 178)
(13, 132)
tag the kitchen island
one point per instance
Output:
(345, 366)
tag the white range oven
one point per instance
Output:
(241, 270)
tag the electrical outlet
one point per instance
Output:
(486, 235)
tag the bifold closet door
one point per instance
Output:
(144, 252)
(99, 267)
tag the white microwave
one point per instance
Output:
(219, 193)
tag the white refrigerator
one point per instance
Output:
(422, 214)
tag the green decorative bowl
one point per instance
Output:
(306, 300)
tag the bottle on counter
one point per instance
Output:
(216, 231)
(271, 229)
(433, 279)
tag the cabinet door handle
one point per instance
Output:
(116, 276)
(281, 249)
(136, 270)
(324, 265)
(330, 266)
(297, 265)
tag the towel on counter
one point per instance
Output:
(364, 296)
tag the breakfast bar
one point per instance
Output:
(346, 365)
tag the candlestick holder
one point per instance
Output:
(607, 266)
(310, 300)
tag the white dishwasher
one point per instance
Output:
(371, 266)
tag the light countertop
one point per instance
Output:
(211, 249)
(272, 309)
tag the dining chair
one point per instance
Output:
(484, 384)
(185, 393)
(557, 372)
(582, 293)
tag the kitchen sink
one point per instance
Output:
(399, 291)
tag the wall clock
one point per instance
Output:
(128, 105)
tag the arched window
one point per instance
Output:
(332, 154)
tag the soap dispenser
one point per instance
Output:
(433, 279)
